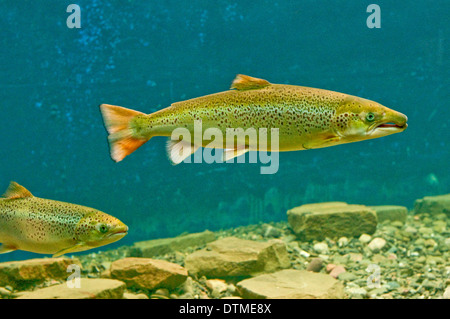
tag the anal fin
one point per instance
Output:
(72, 249)
(5, 248)
(178, 151)
(230, 153)
(322, 142)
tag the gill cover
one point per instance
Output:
(360, 119)
(98, 229)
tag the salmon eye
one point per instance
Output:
(103, 228)
(370, 117)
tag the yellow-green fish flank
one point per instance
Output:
(51, 227)
(305, 117)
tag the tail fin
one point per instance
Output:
(117, 122)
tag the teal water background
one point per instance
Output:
(146, 55)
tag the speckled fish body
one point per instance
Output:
(306, 117)
(51, 227)
(286, 107)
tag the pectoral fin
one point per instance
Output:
(319, 143)
(229, 154)
(5, 248)
(71, 249)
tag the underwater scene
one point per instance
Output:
(224, 150)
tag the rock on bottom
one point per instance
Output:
(291, 284)
(89, 289)
(234, 257)
(148, 273)
(26, 273)
(332, 220)
(433, 205)
(390, 212)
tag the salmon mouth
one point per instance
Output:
(392, 125)
(386, 128)
(116, 236)
(393, 122)
(122, 231)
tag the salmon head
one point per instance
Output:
(97, 229)
(359, 119)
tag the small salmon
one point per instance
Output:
(50, 227)
(306, 118)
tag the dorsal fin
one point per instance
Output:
(16, 191)
(245, 82)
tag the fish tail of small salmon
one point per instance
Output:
(117, 122)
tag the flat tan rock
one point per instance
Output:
(24, 274)
(127, 295)
(291, 284)
(319, 206)
(148, 273)
(332, 220)
(231, 256)
(89, 289)
(390, 212)
(433, 205)
(157, 247)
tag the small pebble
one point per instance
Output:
(447, 242)
(425, 231)
(376, 244)
(393, 285)
(4, 292)
(127, 295)
(321, 248)
(203, 295)
(231, 289)
(428, 284)
(392, 250)
(364, 238)
(446, 294)
(218, 285)
(397, 223)
(315, 265)
(430, 243)
(410, 230)
(355, 256)
(337, 271)
(162, 292)
(377, 291)
(304, 254)
(188, 286)
(392, 256)
(343, 241)
(330, 267)
(357, 292)
(439, 226)
(272, 232)
(346, 276)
